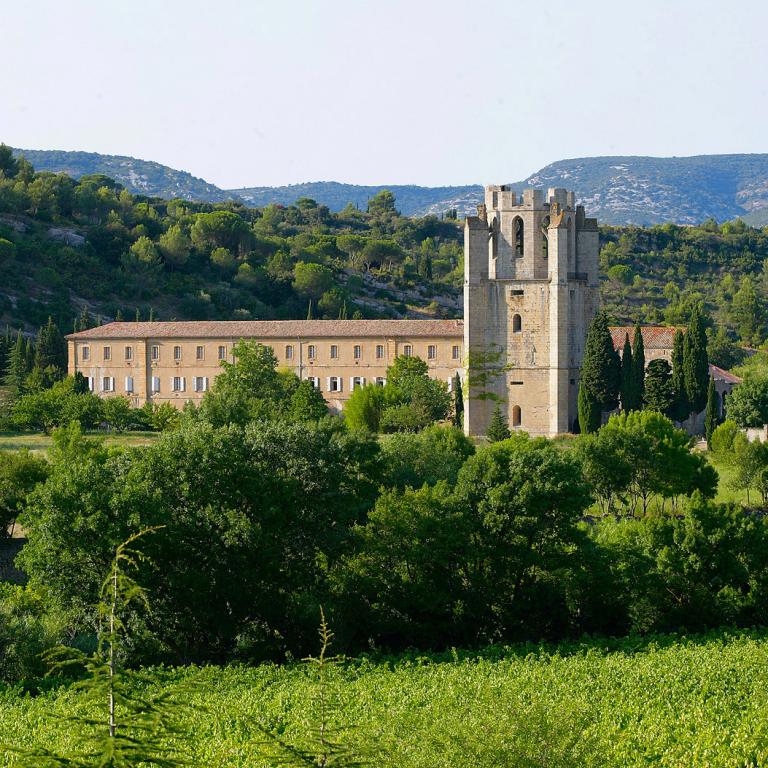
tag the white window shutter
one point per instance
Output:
(362, 381)
(351, 383)
(205, 383)
(183, 383)
(328, 383)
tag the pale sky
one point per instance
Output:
(254, 93)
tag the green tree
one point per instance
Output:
(307, 404)
(659, 394)
(175, 245)
(222, 259)
(600, 375)
(748, 312)
(627, 378)
(20, 472)
(312, 280)
(220, 229)
(722, 352)
(382, 205)
(638, 367)
(712, 416)
(16, 368)
(748, 403)
(680, 407)
(722, 442)
(695, 362)
(51, 350)
(9, 166)
(117, 412)
(364, 407)
(498, 429)
(458, 402)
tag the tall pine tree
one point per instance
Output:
(51, 351)
(600, 375)
(17, 370)
(627, 377)
(680, 409)
(696, 363)
(638, 368)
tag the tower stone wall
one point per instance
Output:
(530, 293)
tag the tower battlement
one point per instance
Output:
(530, 292)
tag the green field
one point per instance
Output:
(668, 703)
(14, 441)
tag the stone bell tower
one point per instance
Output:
(530, 292)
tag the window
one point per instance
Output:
(334, 351)
(222, 352)
(178, 384)
(155, 384)
(358, 351)
(518, 383)
(288, 352)
(86, 353)
(517, 416)
(129, 353)
(519, 232)
(432, 352)
(379, 351)
(544, 237)
(177, 353)
(517, 324)
(311, 350)
(334, 384)
(407, 350)
(355, 382)
(200, 383)
(107, 353)
(380, 381)
(107, 384)
(314, 381)
(129, 384)
(199, 352)
(455, 352)
(155, 352)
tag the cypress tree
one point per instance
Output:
(712, 417)
(29, 354)
(680, 408)
(638, 367)
(458, 402)
(659, 395)
(51, 349)
(600, 375)
(119, 316)
(138, 315)
(627, 380)
(498, 428)
(695, 362)
(16, 373)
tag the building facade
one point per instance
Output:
(530, 293)
(178, 361)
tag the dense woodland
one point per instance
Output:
(66, 245)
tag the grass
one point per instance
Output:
(667, 702)
(12, 441)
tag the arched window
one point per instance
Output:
(545, 237)
(519, 230)
(517, 416)
(517, 324)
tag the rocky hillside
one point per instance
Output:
(618, 190)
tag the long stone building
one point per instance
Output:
(530, 292)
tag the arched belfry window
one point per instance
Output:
(517, 416)
(545, 237)
(517, 324)
(519, 230)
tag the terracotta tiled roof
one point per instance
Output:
(275, 329)
(654, 336)
(720, 374)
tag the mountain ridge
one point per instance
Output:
(617, 189)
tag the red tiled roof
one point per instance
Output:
(720, 374)
(275, 329)
(654, 336)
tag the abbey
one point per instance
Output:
(530, 292)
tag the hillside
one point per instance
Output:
(618, 190)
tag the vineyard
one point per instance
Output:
(664, 702)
